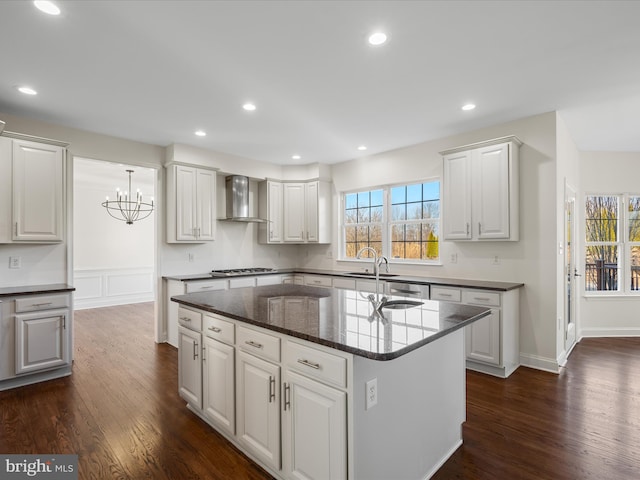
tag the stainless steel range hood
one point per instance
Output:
(237, 187)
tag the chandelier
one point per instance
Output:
(125, 208)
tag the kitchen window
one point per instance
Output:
(401, 222)
(612, 244)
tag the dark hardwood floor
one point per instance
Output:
(120, 412)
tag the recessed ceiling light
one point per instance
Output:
(27, 90)
(249, 107)
(468, 106)
(47, 7)
(296, 157)
(200, 133)
(362, 148)
(377, 38)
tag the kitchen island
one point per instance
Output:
(316, 383)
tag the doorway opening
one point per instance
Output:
(114, 263)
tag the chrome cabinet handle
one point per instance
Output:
(185, 319)
(445, 294)
(41, 304)
(64, 322)
(307, 363)
(215, 329)
(287, 397)
(272, 389)
(467, 228)
(195, 350)
(479, 228)
(482, 299)
(253, 344)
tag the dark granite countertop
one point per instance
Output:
(35, 289)
(341, 319)
(449, 282)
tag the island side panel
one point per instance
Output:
(417, 423)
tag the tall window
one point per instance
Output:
(401, 222)
(612, 248)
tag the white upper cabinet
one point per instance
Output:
(481, 190)
(271, 208)
(297, 212)
(191, 204)
(32, 198)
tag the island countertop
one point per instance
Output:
(337, 318)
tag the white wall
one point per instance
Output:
(531, 261)
(607, 172)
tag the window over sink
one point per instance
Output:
(401, 222)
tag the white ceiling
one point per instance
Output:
(156, 71)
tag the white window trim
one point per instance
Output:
(623, 244)
(386, 224)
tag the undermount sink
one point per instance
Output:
(369, 274)
(401, 304)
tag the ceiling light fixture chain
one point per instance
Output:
(125, 208)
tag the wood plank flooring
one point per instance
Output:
(120, 412)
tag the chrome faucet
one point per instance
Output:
(377, 263)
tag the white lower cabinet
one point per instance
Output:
(314, 433)
(41, 341)
(281, 402)
(492, 344)
(258, 402)
(218, 384)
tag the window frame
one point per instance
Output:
(623, 244)
(387, 224)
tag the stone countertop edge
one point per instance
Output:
(184, 300)
(438, 281)
(35, 289)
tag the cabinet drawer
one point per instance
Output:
(346, 283)
(220, 329)
(314, 363)
(190, 319)
(206, 285)
(491, 299)
(42, 302)
(258, 343)
(242, 282)
(446, 294)
(318, 281)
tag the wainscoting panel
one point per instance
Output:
(117, 286)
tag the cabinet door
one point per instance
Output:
(275, 210)
(186, 212)
(6, 199)
(314, 429)
(456, 202)
(311, 208)
(218, 378)
(42, 341)
(483, 339)
(294, 212)
(205, 204)
(38, 191)
(258, 408)
(491, 183)
(189, 366)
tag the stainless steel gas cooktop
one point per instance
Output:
(240, 271)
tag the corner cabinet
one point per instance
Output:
(297, 212)
(481, 191)
(32, 205)
(191, 204)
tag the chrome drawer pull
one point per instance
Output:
(41, 304)
(215, 329)
(287, 397)
(446, 294)
(253, 344)
(309, 364)
(272, 389)
(482, 299)
(185, 319)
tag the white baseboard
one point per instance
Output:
(109, 287)
(539, 363)
(609, 332)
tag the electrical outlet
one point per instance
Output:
(454, 258)
(15, 262)
(495, 260)
(371, 393)
(192, 257)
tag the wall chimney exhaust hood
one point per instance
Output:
(237, 187)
